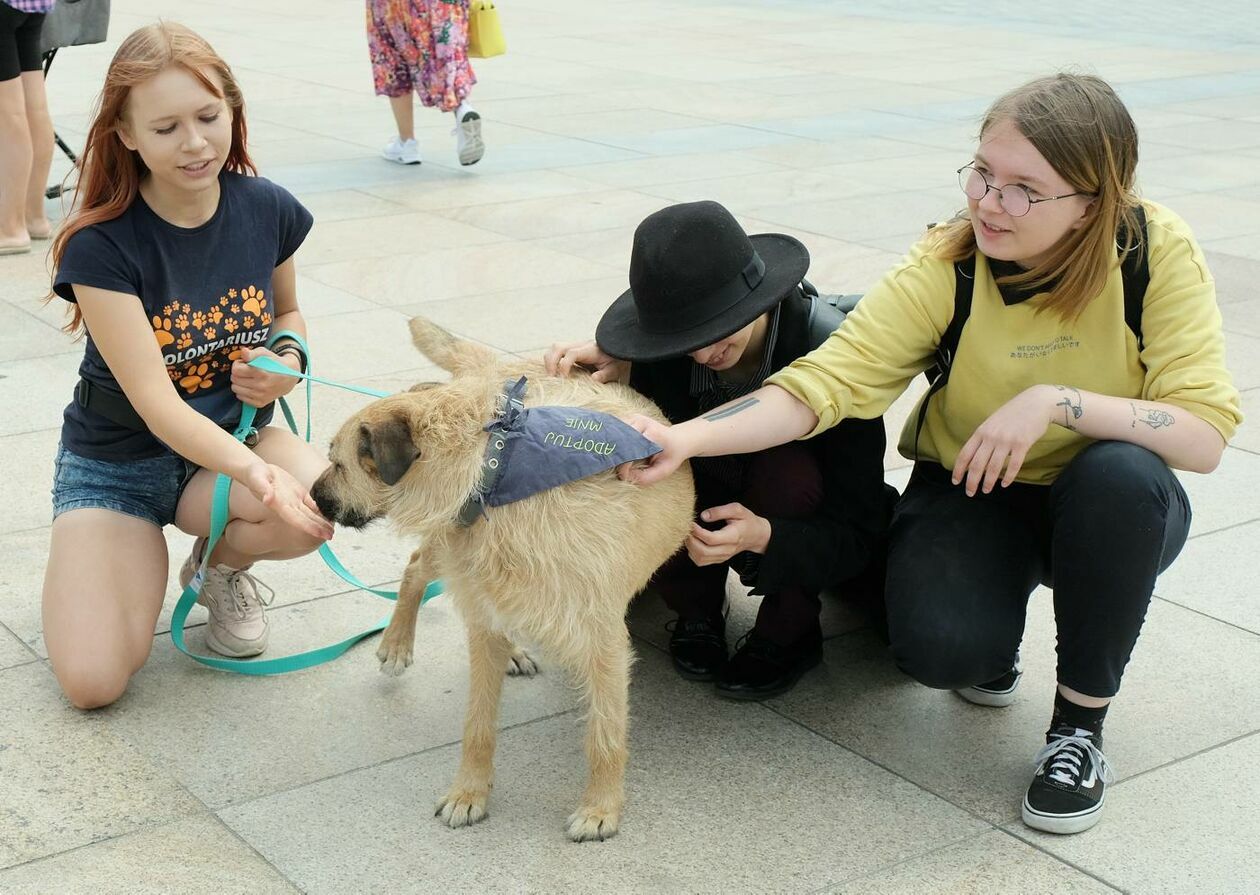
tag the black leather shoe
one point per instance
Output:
(762, 668)
(698, 647)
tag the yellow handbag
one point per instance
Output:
(485, 34)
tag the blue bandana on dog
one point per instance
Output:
(536, 448)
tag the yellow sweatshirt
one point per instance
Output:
(892, 335)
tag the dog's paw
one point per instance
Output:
(395, 657)
(462, 807)
(521, 663)
(589, 823)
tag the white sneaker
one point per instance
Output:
(404, 152)
(468, 143)
(238, 625)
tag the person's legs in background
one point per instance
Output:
(25, 133)
(392, 55)
(445, 77)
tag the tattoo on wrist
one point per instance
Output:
(1152, 416)
(1072, 409)
(723, 412)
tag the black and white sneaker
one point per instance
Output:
(1066, 795)
(997, 693)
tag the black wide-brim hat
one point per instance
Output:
(695, 278)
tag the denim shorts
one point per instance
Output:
(147, 489)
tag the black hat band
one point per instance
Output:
(717, 302)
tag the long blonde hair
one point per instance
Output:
(1085, 132)
(109, 172)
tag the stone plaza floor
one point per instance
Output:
(838, 122)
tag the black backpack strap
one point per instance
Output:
(1135, 272)
(938, 373)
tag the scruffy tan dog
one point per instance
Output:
(557, 569)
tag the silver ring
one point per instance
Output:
(498, 444)
(493, 462)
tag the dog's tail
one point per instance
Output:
(445, 350)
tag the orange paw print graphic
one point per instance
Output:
(249, 322)
(183, 341)
(253, 301)
(162, 331)
(231, 325)
(235, 309)
(231, 294)
(199, 319)
(235, 353)
(187, 309)
(182, 321)
(196, 377)
(223, 300)
(215, 316)
(210, 332)
(266, 318)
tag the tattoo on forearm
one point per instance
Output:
(723, 412)
(1152, 416)
(1072, 409)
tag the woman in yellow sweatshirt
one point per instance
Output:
(1045, 457)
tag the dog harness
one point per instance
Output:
(536, 448)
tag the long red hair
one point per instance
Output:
(109, 172)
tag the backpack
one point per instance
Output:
(1134, 272)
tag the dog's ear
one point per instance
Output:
(448, 352)
(390, 445)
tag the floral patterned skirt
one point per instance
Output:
(420, 45)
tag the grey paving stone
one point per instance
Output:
(29, 461)
(1224, 498)
(1217, 576)
(711, 785)
(193, 856)
(1155, 839)
(993, 863)
(68, 778)
(13, 651)
(1187, 688)
(230, 738)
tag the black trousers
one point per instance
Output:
(960, 569)
(783, 481)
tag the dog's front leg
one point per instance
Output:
(399, 639)
(607, 684)
(465, 802)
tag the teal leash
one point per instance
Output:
(219, 520)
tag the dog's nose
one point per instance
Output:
(327, 504)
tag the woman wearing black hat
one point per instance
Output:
(711, 313)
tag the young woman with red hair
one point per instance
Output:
(178, 264)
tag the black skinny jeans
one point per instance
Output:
(961, 568)
(781, 481)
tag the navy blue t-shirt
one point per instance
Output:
(206, 291)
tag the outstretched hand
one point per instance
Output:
(280, 492)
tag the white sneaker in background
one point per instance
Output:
(404, 152)
(468, 143)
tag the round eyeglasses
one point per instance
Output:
(1015, 198)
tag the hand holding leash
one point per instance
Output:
(257, 387)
